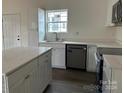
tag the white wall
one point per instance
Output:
(119, 34)
(87, 19)
(28, 12)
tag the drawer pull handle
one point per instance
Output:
(27, 76)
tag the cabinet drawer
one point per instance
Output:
(21, 73)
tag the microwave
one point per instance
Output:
(117, 13)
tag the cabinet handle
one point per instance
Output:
(27, 76)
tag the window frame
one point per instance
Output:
(57, 10)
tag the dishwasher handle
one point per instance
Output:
(77, 48)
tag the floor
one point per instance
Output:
(72, 81)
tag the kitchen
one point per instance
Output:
(58, 42)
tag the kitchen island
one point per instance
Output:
(26, 69)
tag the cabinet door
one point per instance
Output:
(41, 75)
(58, 54)
(19, 87)
(43, 60)
(48, 69)
(26, 83)
(33, 80)
(53, 57)
(91, 62)
(45, 70)
(58, 59)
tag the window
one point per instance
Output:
(57, 20)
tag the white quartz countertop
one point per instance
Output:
(98, 44)
(16, 57)
(114, 61)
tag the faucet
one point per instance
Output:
(56, 36)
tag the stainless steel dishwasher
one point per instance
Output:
(76, 56)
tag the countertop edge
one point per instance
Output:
(25, 63)
(98, 44)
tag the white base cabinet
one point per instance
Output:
(24, 80)
(32, 77)
(58, 58)
(58, 54)
(91, 62)
(45, 71)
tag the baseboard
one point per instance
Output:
(60, 67)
